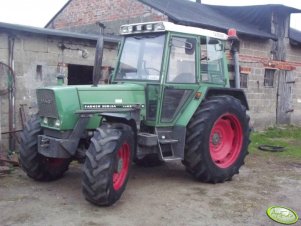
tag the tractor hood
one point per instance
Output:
(104, 97)
(63, 103)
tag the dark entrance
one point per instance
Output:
(80, 74)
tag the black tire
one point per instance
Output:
(218, 122)
(150, 160)
(102, 164)
(35, 165)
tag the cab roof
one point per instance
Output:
(161, 26)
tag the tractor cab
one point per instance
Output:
(173, 61)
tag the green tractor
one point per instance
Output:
(169, 98)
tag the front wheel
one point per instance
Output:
(107, 164)
(217, 139)
(37, 166)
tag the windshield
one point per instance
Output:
(141, 58)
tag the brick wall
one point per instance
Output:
(261, 99)
(113, 13)
(255, 54)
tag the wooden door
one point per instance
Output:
(285, 108)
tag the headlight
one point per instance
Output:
(149, 27)
(45, 120)
(159, 27)
(124, 30)
(57, 123)
(142, 28)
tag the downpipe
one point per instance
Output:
(11, 95)
(236, 69)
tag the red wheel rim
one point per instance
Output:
(122, 168)
(226, 140)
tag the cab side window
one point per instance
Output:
(212, 64)
(181, 67)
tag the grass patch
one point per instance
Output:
(288, 137)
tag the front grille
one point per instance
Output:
(46, 103)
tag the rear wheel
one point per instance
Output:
(34, 164)
(107, 164)
(217, 139)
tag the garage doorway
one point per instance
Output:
(80, 74)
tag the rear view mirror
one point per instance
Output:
(190, 46)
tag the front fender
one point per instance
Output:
(125, 115)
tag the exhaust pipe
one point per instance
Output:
(234, 42)
(97, 74)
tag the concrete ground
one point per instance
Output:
(164, 195)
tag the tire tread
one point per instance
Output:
(195, 162)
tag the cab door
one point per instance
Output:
(181, 79)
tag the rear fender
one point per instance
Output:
(236, 93)
(208, 92)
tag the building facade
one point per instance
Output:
(270, 52)
(270, 59)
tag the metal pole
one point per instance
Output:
(0, 121)
(236, 69)
(11, 95)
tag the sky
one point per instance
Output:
(37, 13)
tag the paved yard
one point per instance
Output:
(164, 195)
